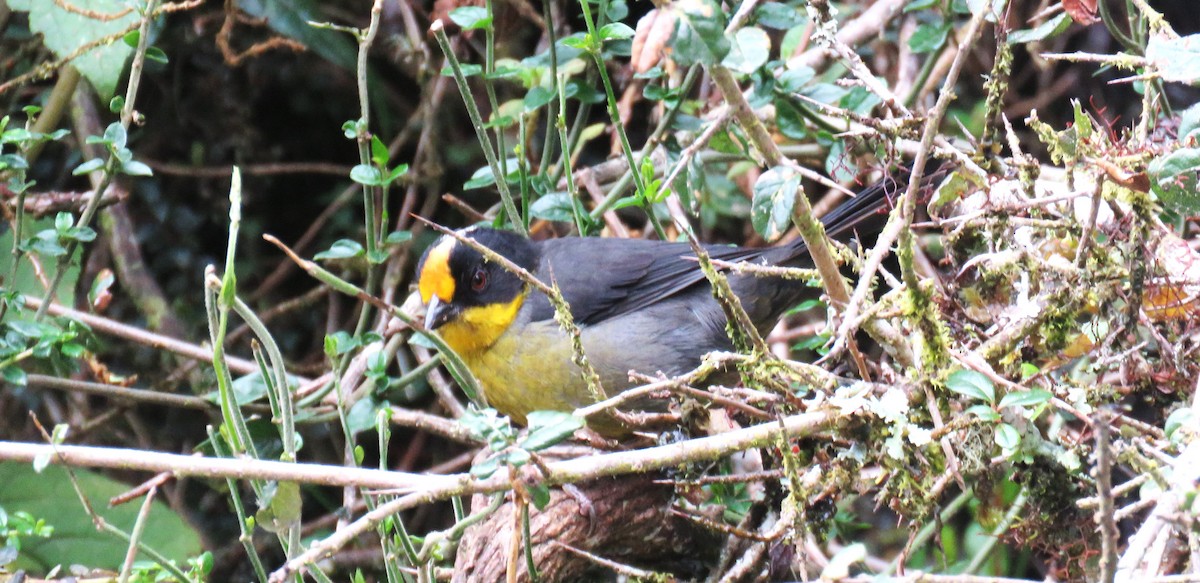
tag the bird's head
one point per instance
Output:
(469, 299)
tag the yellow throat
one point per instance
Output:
(478, 327)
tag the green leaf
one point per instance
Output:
(294, 18)
(555, 206)
(615, 31)
(468, 70)
(89, 166)
(1049, 29)
(700, 34)
(1008, 438)
(860, 100)
(481, 178)
(45, 243)
(352, 127)
(750, 50)
(486, 468)
(80, 234)
(779, 16)
(839, 164)
(397, 237)
(825, 93)
(366, 174)
(794, 79)
(470, 17)
(504, 121)
(379, 152)
(984, 412)
(1176, 59)
(63, 221)
(340, 343)
(115, 135)
(539, 494)
(547, 428)
(617, 10)
(341, 249)
(1180, 418)
(583, 92)
(156, 55)
(774, 196)
(789, 119)
(929, 37)
(1028, 398)
(246, 389)
(14, 375)
(1189, 123)
(539, 97)
(50, 496)
(657, 92)
(135, 168)
(283, 509)
(65, 31)
(915, 5)
(361, 416)
(580, 40)
(1173, 179)
(972, 384)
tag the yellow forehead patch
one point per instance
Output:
(435, 278)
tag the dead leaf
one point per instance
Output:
(1132, 180)
(1174, 296)
(651, 38)
(1081, 11)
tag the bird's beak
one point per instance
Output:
(438, 313)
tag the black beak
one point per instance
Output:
(438, 313)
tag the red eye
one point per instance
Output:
(479, 280)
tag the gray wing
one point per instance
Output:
(605, 278)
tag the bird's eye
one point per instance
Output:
(479, 280)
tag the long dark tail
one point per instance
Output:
(866, 212)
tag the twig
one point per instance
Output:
(1104, 511)
(135, 536)
(811, 229)
(900, 226)
(119, 392)
(145, 337)
(576, 470)
(205, 467)
(1135, 564)
(510, 207)
(619, 568)
(985, 550)
(866, 25)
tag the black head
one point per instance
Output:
(452, 276)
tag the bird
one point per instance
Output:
(640, 305)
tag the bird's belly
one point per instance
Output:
(529, 371)
(531, 368)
